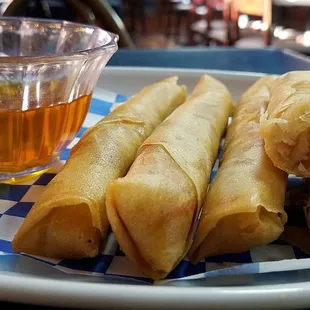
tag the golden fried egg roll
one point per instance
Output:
(286, 124)
(69, 219)
(244, 206)
(154, 208)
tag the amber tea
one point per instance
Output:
(33, 138)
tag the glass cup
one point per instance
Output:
(48, 71)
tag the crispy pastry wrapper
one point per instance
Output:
(69, 219)
(286, 124)
(244, 206)
(154, 208)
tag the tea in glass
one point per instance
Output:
(48, 72)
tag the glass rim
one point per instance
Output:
(56, 57)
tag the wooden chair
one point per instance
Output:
(180, 15)
(258, 8)
(172, 16)
(214, 27)
(85, 11)
(199, 22)
(134, 10)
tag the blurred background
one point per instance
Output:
(167, 24)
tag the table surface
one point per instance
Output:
(268, 60)
(255, 60)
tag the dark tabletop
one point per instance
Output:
(252, 60)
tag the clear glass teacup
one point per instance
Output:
(48, 71)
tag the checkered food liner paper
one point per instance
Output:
(16, 201)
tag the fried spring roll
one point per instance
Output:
(69, 219)
(286, 124)
(244, 206)
(154, 208)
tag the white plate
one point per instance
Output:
(129, 80)
(22, 286)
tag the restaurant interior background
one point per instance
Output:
(182, 23)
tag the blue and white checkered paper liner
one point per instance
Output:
(16, 201)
